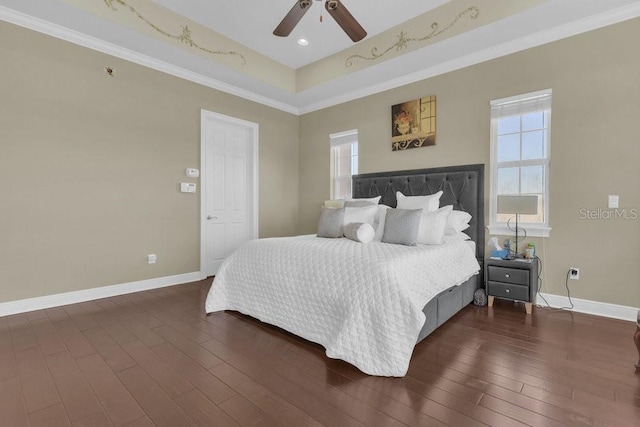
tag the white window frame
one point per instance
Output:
(336, 140)
(505, 107)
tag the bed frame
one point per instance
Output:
(462, 187)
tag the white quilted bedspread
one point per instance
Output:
(362, 302)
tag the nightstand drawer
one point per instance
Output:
(508, 275)
(504, 290)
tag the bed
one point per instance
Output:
(367, 304)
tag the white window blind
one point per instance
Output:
(344, 163)
(520, 142)
(514, 106)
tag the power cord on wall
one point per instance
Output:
(566, 285)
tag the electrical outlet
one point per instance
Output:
(152, 258)
(574, 273)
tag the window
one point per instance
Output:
(520, 158)
(344, 163)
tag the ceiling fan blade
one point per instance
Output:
(292, 18)
(344, 18)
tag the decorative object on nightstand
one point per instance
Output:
(636, 339)
(516, 280)
(497, 251)
(517, 205)
(480, 297)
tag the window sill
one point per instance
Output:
(532, 231)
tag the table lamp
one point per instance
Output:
(517, 205)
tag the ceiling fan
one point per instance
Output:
(335, 8)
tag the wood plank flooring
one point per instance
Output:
(153, 358)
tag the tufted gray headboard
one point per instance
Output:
(462, 186)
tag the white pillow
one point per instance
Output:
(457, 222)
(357, 203)
(359, 232)
(365, 214)
(372, 200)
(458, 237)
(381, 210)
(432, 225)
(428, 203)
(379, 224)
(336, 203)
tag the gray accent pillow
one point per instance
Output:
(331, 223)
(401, 226)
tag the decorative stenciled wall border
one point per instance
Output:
(184, 37)
(403, 41)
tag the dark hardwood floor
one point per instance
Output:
(152, 358)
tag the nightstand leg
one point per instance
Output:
(491, 297)
(527, 307)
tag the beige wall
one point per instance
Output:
(595, 150)
(90, 166)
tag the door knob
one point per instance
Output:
(211, 217)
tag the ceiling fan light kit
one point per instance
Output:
(336, 9)
(331, 4)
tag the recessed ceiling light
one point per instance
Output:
(303, 42)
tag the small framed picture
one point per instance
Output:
(413, 124)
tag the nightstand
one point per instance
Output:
(516, 280)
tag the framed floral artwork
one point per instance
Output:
(413, 124)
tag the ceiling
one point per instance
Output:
(325, 38)
(249, 25)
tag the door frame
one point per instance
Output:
(253, 223)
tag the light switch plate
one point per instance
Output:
(187, 187)
(614, 202)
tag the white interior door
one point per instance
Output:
(229, 170)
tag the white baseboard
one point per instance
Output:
(56, 300)
(603, 309)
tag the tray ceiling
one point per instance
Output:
(228, 45)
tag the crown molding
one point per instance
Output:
(594, 22)
(610, 17)
(75, 37)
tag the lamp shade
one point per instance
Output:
(526, 205)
